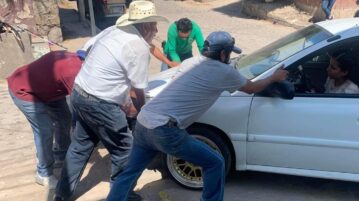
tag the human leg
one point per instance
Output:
(185, 56)
(61, 116)
(117, 140)
(109, 124)
(141, 155)
(165, 66)
(79, 152)
(325, 8)
(179, 143)
(41, 124)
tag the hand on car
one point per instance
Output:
(280, 74)
(129, 110)
(173, 64)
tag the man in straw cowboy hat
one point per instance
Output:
(117, 62)
(162, 121)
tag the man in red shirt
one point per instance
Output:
(39, 90)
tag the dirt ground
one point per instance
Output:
(17, 151)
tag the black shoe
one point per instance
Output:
(58, 198)
(132, 196)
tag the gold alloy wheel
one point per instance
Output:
(187, 173)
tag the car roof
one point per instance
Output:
(339, 25)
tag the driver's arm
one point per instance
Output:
(253, 87)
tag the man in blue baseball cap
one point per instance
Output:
(161, 123)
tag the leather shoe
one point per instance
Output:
(132, 196)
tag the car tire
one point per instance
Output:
(177, 169)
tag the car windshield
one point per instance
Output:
(260, 61)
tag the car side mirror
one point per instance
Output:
(283, 90)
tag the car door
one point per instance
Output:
(314, 132)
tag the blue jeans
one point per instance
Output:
(47, 120)
(327, 6)
(96, 120)
(177, 142)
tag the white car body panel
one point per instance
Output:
(301, 132)
(306, 136)
(339, 25)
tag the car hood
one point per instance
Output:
(159, 81)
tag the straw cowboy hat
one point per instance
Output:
(140, 12)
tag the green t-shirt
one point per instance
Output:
(176, 46)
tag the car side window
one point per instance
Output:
(317, 74)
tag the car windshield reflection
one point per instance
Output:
(260, 61)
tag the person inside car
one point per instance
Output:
(339, 69)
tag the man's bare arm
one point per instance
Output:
(253, 87)
(160, 56)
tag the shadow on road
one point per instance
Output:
(233, 10)
(100, 171)
(255, 186)
(71, 25)
(237, 9)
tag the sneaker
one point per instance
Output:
(58, 198)
(49, 181)
(132, 196)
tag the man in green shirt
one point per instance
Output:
(180, 37)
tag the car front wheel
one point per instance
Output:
(189, 175)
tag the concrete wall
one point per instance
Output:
(341, 9)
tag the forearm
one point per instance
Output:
(162, 57)
(200, 42)
(138, 98)
(257, 86)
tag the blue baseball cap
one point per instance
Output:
(219, 40)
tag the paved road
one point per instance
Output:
(17, 161)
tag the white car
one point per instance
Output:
(301, 133)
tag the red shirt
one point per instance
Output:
(49, 78)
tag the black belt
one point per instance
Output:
(172, 123)
(83, 93)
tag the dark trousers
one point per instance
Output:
(171, 140)
(182, 57)
(97, 120)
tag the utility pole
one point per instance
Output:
(82, 10)
(92, 18)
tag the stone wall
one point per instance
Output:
(47, 19)
(39, 16)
